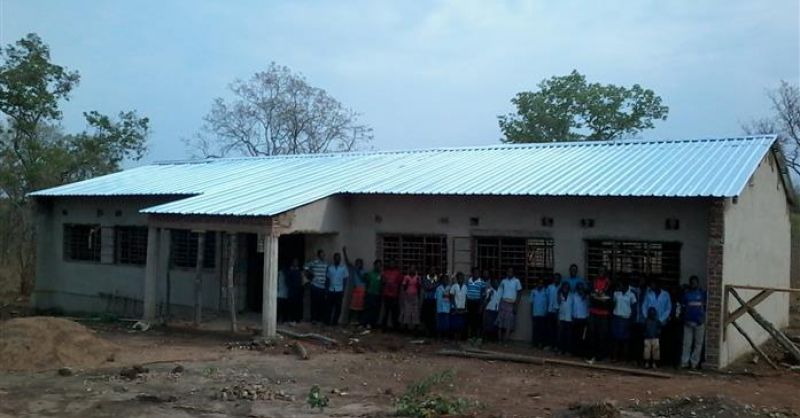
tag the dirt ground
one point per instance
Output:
(364, 378)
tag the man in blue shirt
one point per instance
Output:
(336, 280)
(656, 298)
(574, 279)
(694, 315)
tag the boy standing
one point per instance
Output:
(652, 332)
(458, 293)
(564, 318)
(552, 312)
(580, 314)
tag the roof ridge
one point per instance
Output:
(532, 145)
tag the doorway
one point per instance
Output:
(289, 246)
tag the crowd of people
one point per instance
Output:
(627, 318)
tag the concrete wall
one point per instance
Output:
(757, 252)
(77, 285)
(615, 218)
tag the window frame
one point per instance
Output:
(526, 268)
(657, 259)
(183, 249)
(431, 255)
(122, 255)
(70, 243)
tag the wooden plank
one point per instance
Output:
(492, 355)
(269, 306)
(774, 289)
(198, 278)
(232, 246)
(741, 310)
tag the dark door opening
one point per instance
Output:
(289, 246)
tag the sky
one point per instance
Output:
(420, 73)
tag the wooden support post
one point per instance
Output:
(730, 317)
(753, 344)
(232, 247)
(198, 278)
(779, 336)
(269, 311)
(151, 275)
(164, 249)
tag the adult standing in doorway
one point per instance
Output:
(337, 275)
(660, 300)
(509, 299)
(315, 271)
(294, 283)
(392, 279)
(694, 315)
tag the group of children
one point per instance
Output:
(593, 319)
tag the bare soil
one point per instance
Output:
(362, 377)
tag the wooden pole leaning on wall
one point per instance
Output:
(232, 247)
(779, 336)
(198, 278)
(754, 345)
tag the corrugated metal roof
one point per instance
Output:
(271, 185)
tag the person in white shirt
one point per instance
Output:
(509, 298)
(622, 319)
(564, 301)
(458, 291)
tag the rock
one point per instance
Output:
(111, 357)
(177, 369)
(156, 398)
(133, 372)
(65, 371)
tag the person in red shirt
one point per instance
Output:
(602, 282)
(392, 278)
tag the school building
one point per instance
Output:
(160, 237)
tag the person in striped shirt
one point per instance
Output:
(315, 271)
(476, 287)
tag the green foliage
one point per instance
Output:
(420, 401)
(567, 108)
(36, 153)
(316, 399)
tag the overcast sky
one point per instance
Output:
(421, 73)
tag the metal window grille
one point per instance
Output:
(425, 252)
(82, 242)
(130, 244)
(661, 260)
(531, 258)
(184, 249)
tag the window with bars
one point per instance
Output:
(130, 244)
(660, 260)
(82, 242)
(531, 258)
(426, 252)
(184, 248)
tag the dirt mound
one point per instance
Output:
(45, 343)
(719, 407)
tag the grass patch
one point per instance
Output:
(420, 399)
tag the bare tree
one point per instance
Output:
(785, 122)
(277, 112)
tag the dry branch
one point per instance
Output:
(517, 358)
(310, 336)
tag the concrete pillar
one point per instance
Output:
(269, 309)
(198, 278)
(151, 274)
